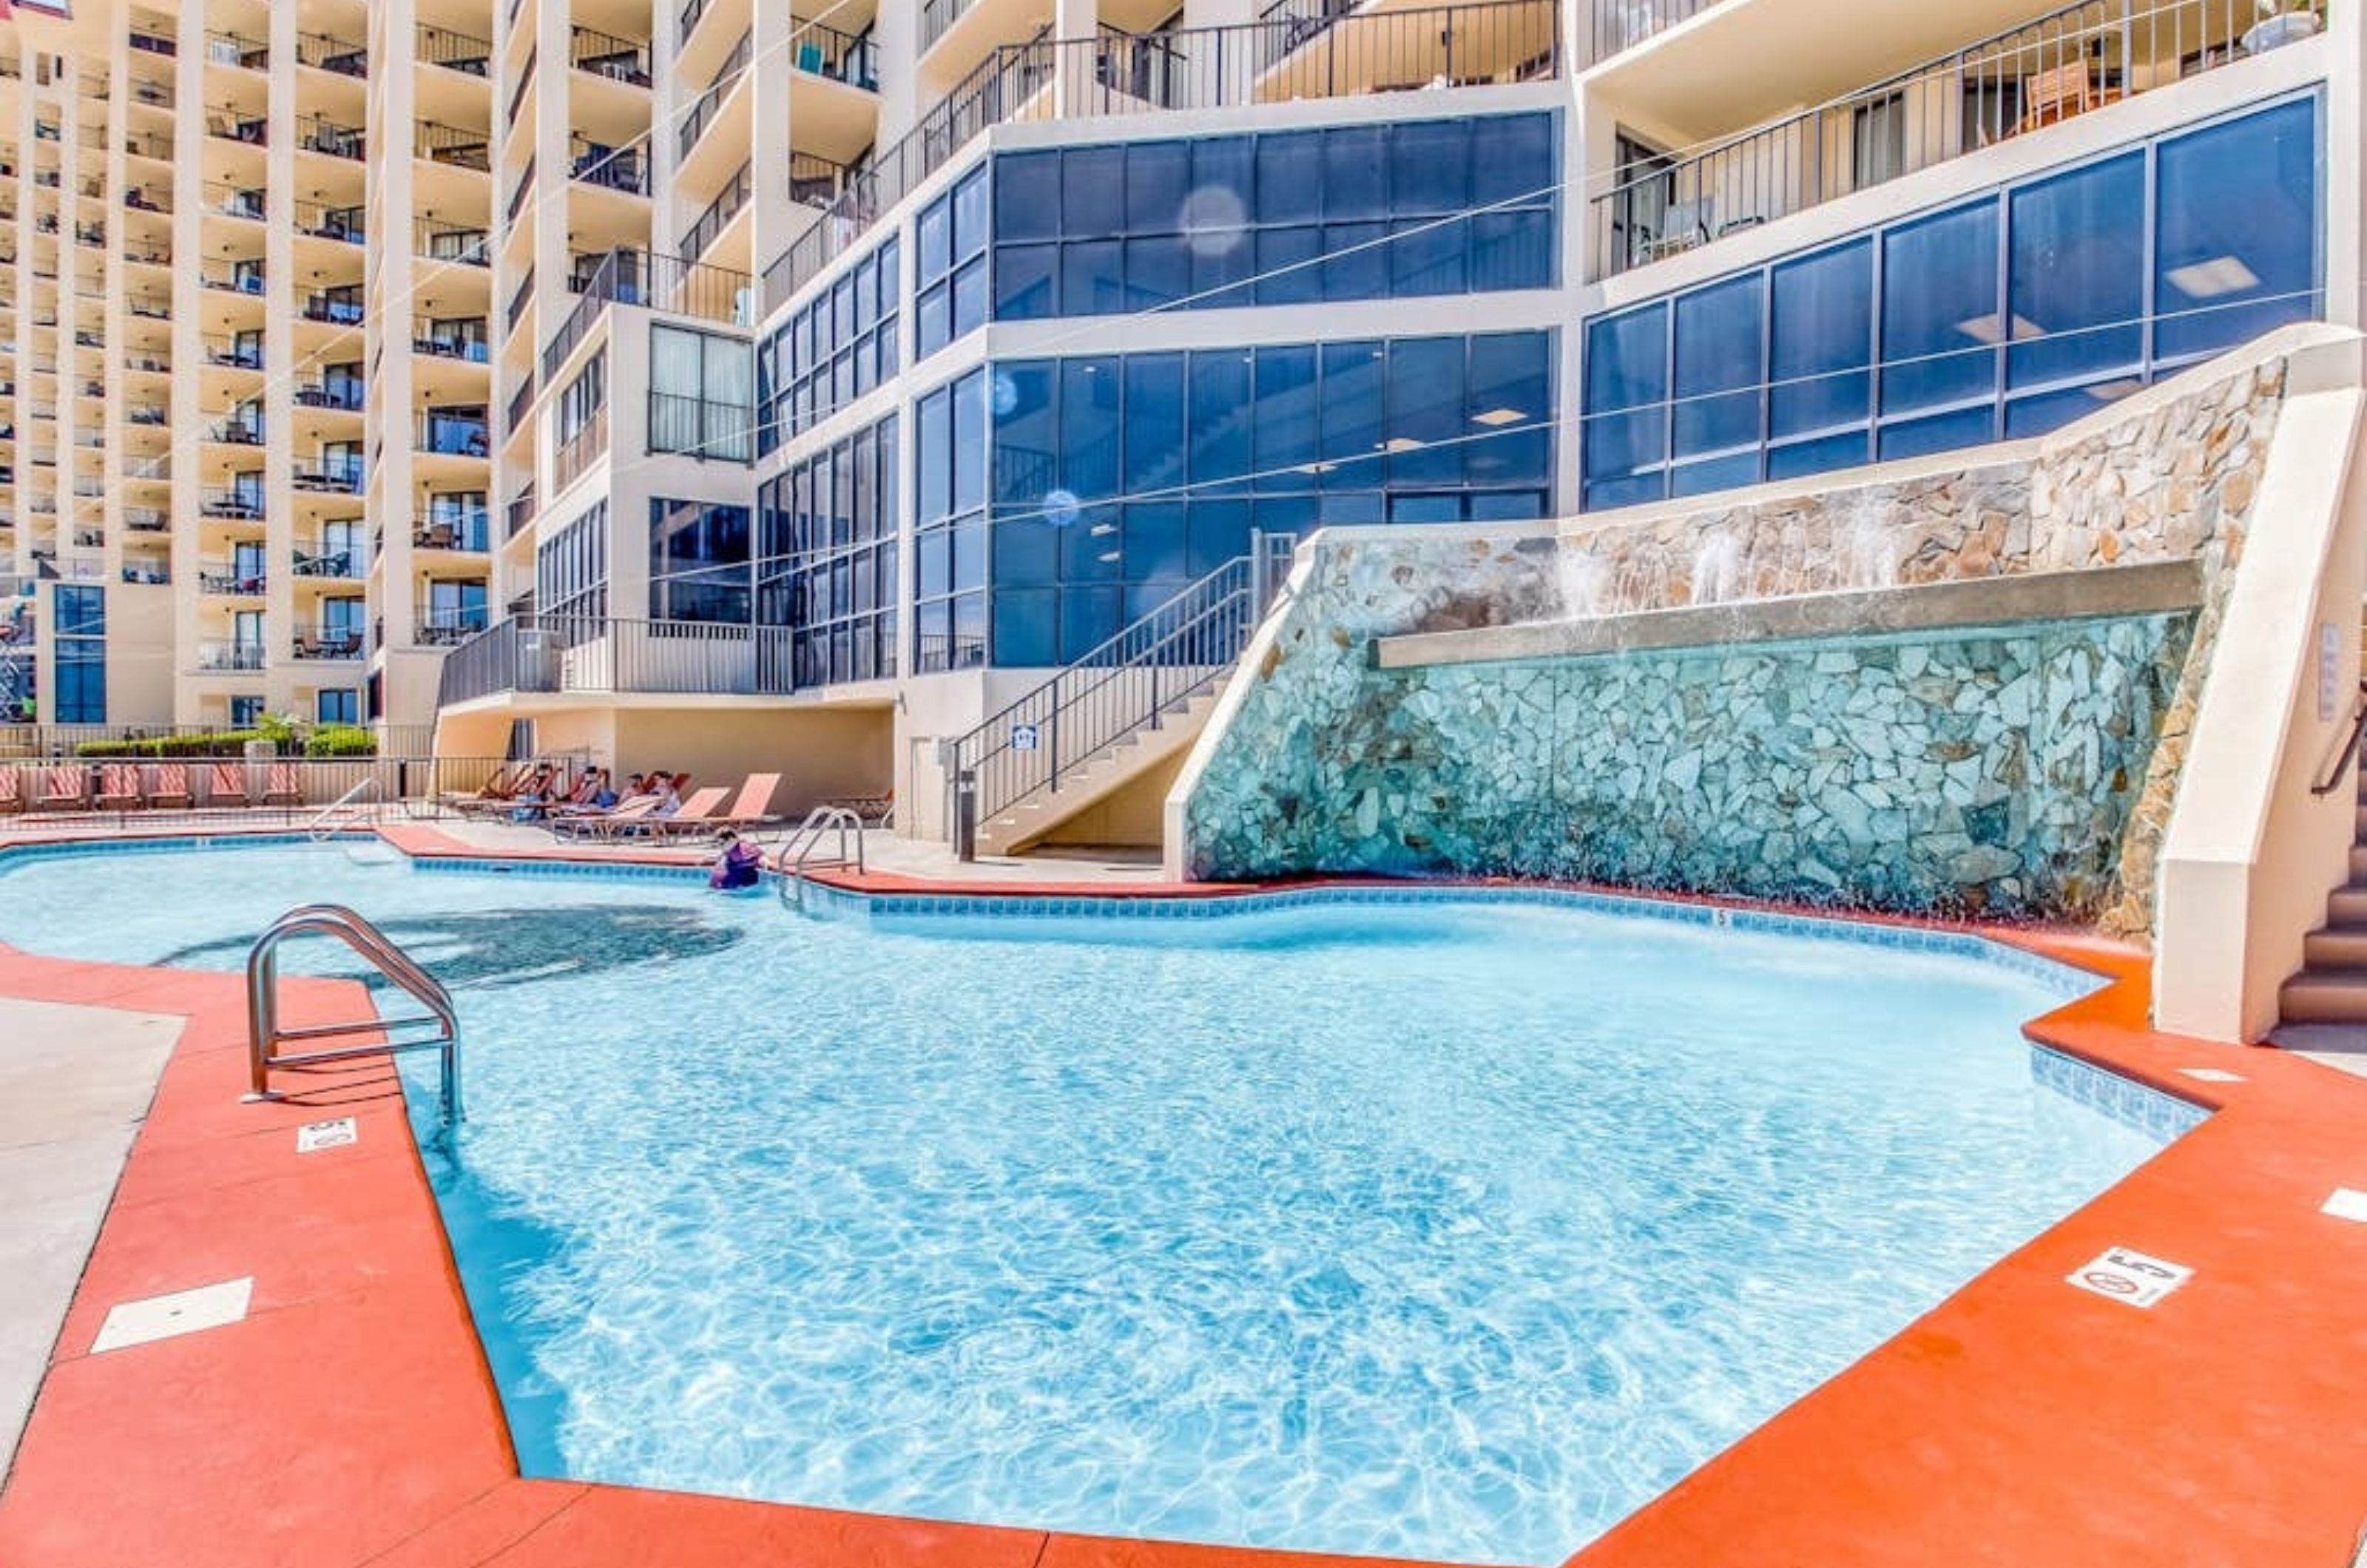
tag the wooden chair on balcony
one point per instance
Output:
(2052, 96)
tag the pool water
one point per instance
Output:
(1456, 1230)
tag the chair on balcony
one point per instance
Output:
(2053, 96)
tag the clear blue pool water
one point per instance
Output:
(1454, 1230)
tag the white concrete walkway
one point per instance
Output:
(74, 1084)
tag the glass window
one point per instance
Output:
(1510, 429)
(1719, 370)
(2237, 241)
(1426, 411)
(1093, 192)
(1354, 416)
(1027, 195)
(1158, 187)
(1820, 342)
(1154, 423)
(1220, 437)
(1355, 178)
(1430, 168)
(1286, 436)
(1940, 325)
(2077, 275)
(1289, 176)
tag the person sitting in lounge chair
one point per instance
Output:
(667, 787)
(535, 796)
(740, 864)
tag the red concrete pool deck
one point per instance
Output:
(349, 1418)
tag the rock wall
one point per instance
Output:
(2028, 770)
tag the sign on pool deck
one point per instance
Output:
(2131, 1277)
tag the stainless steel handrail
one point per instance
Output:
(317, 829)
(265, 1036)
(807, 839)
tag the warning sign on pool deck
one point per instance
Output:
(2130, 1276)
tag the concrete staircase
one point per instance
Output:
(2332, 986)
(1096, 779)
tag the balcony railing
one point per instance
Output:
(937, 16)
(230, 503)
(520, 297)
(455, 146)
(347, 224)
(230, 278)
(658, 282)
(336, 562)
(232, 579)
(229, 49)
(453, 51)
(819, 49)
(449, 243)
(518, 513)
(338, 396)
(332, 309)
(230, 201)
(470, 531)
(591, 654)
(327, 475)
(314, 134)
(323, 52)
(233, 353)
(718, 214)
(605, 54)
(343, 644)
(235, 432)
(1623, 24)
(704, 108)
(580, 451)
(611, 168)
(2017, 83)
(521, 401)
(216, 655)
(449, 628)
(815, 181)
(1298, 54)
(452, 435)
(448, 345)
(520, 191)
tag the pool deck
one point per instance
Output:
(344, 1416)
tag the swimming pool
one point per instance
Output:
(1455, 1229)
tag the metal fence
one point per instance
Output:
(299, 788)
(592, 654)
(63, 741)
(2082, 57)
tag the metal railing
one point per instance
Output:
(794, 857)
(453, 436)
(267, 1034)
(819, 49)
(453, 145)
(815, 181)
(1178, 651)
(339, 396)
(324, 222)
(580, 451)
(938, 17)
(594, 654)
(338, 644)
(718, 214)
(232, 579)
(704, 108)
(325, 52)
(217, 655)
(231, 49)
(605, 54)
(443, 531)
(315, 134)
(1301, 50)
(451, 243)
(1621, 24)
(678, 284)
(611, 168)
(2082, 57)
(327, 476)
(453, 51)
(321, 559)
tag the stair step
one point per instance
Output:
(2358, 863)
(2347, 906)
(2336, 947)
(2325, 996)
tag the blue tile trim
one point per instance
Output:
(2157, 1113)
(613, 871)
(13, 855)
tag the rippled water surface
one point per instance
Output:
(1456, 1230)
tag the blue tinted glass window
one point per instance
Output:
(2077, 275)
(933, 455)
(2236, 245)
(1940, 320)
(1821, 340)
(969, 213)
(1023, 282)
(1512, 250)
(1093, 278)
(1355, 179)
(969, 442)
(1358, 267)
(1430, 167)
(1354, 414)
(1511, 409)
(1289, 177)
(1093, 192)
(1027, 433)
(1090, 427)
(1027, 196)
(1154, 423)
(1220, 437)
(1286, 265)
(1429, 256)
(1285, 439)
(1426, 411)
(1157, 185)
(1158, 271)
(1513, 159)
(1719, 368)
(1627, 359)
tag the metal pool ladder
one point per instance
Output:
(790, 862)
(266, 1034)
(324, 824)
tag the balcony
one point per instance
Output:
(603, 54)
(327, 644)
(229, 49)
(233, 354)
(314, 134)
(518, 514)
(327, 476)
(824, 50)
(232, 277)
(323, 560)
(231, 503)
(338, 397)
(718, 214)
(567, 654)
(654, 281)
(341, 56)
(449, 628)
(217, 656)
(469, 348)
(453, 52)
(149, 308)
(453, 146)
(332, 311)
(580, 451)
(609, 168)
(229, 125)
(452, 435)
(235, 432)
(704, 108)
(449, 243)
(233, 580)
(468, 531)
(225, 200)
(2015, 84)
(343, 224)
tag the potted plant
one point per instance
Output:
(2281, 22)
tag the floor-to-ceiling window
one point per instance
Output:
(78, 661)
(2002, 315)
(826, 559)
(950, 526)
(698, 561)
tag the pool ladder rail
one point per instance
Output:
(795, 857)
(266, 1034)
(326, 824)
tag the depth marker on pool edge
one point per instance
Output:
(314, 1136)
(2122, 1275)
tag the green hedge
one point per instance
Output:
(329, 741)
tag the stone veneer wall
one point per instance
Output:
(2029, 771)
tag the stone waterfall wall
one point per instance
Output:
(2028, 770)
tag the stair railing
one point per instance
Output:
(2341, 767)
(1174, 653)
(267, 1034)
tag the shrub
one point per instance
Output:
(341, 740)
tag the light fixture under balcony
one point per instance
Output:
(2210, 279)
(1984, 329)
(1495, 417)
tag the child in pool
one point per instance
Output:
(740, 864)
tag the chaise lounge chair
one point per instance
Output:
(65, 789)
(12, 790)
(751, 809)
(607, 824)
(281, 786)
(118, 788)
(498, 790)
(170, 787)
(226, 784)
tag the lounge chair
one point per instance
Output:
(281, 786)
(505, 784)
(605, 824)
(170, 787)
(12, 790)
(702, 813)
(874, 809)
(226, 784)
(751, 809)
(65, 789)
(119, 786)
